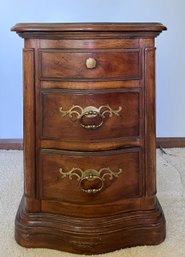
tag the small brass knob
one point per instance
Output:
(90, 63)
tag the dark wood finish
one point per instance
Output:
(71, 65)
(111, 43)
(99, 26)
(127, 184)
(91, 84)
(90, 178)
(165, 142)
(90, 235)
(93, 30)
(150, 140)
(95, 145)
(29, 123)
(11, 144)
(126, 125)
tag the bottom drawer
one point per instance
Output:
(90, 177)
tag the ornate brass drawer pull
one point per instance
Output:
(90, 180)
(90, 117)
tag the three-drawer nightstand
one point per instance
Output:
(89, 137)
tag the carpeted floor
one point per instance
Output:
(171, 193)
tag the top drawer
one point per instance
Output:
(90, 64)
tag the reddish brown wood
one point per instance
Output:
(166, 142)
(126, 124)
(91, 84)
(99, 26)
(121, 206)
(29, 123)
(127, 184)
(71, 65)
(150, 143)
(90, 235)
(111, 43)
(92, 145)
(89, 213)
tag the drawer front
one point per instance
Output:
(90, 178)
(93, 64)
(90, 115)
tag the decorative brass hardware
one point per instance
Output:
(94, 115)
(90, 175)
(90, 63)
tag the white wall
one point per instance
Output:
(170, 53)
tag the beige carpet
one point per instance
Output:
(171, 193)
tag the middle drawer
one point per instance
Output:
(90, 115)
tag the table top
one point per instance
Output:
(95, 26)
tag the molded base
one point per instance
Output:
(90, 235)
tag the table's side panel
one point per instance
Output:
(32, 203)
(150, 129)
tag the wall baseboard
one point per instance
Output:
(164, 142)
(11, 144)
(170, 142)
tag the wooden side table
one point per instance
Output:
(89, 137)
